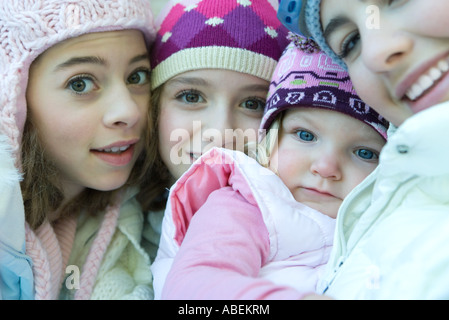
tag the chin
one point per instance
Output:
(109, 184)
(330, 212)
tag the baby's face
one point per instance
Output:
(322, 155)
(397, 52)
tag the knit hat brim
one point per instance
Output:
(214, 57)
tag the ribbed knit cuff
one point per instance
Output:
(218, 57)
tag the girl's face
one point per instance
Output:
(208, 108)
(397, 52)
(322, 155)
(88, 98)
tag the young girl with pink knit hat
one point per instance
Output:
(74, 98)
(237, 228)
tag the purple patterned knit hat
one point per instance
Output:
(238, 35)
(307, 77)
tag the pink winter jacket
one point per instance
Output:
(232, 230)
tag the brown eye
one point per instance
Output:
(190, 97)
(81, 85)
(253, 104)
(139, 77)
(78, 85)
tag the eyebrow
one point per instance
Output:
(202, 82)
(188, 80)
(256, 87)
(141, 57)
(96, 60)
(333, 25)
(81, 60)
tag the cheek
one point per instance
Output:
(249, 129)
(372, 90)
(367, 85)
(288, 164)
(62, 137)
(173, 129)
(245, 122)
(434, 13)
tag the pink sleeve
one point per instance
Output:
(221, 255)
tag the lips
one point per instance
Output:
(116, 154)
(319, 193)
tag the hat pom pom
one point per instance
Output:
(306, 45)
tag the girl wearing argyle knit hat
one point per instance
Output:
(212, 60)
(74, 96)
(237, 230)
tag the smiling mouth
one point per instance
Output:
(116, 150)
(428, 80)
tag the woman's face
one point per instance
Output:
(397, 52)
(88, 98)
(208, 108)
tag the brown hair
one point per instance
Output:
(156, 183)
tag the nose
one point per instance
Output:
(326, 165)
(122, 109)
(219, 124)
(384, 48)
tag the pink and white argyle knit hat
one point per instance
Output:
(29, 27)
(306, 77)
(238, 35)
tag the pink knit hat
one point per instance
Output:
(306, 77)
(29, 27)
(238, 35)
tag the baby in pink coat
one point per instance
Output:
(242, 228)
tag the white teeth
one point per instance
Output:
(115, 149)
(428, 80)
(443, 65)
(435, 74)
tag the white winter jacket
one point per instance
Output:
(392, 234)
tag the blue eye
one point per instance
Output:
(349, 44)
(305, 135)
(366, 154)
